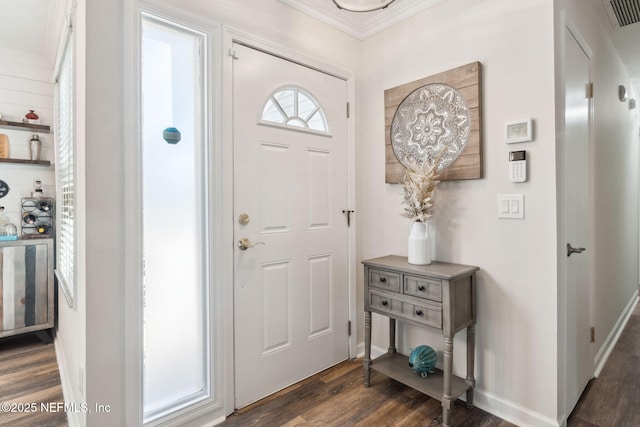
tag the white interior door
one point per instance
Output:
(290, 188)
(577, 214)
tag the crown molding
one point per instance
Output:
(360, 25)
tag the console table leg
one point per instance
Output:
(392, 335)
(446, 415)
(471, 354)
(447, 399)
(367, 348)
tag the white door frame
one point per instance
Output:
(229, 37)
(563, 362)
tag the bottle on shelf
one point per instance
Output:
(8, 231)
(28, 218)
(44, 206)
(37, 192)
(35, 147)
(4, 219)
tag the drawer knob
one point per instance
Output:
(418, 312)
(421, 288)
(383, 280)
(385, 302)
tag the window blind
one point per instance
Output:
(65, 177)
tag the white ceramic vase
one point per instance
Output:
(419, 244)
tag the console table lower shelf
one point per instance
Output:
(396, 366)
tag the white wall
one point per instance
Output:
(516, 330)
(25, 84)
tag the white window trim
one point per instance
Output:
(66, 273)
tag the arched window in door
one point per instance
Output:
(294, 107)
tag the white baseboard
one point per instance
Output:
(609, 343)
(73, 417)
(375, 351)
(511, 411)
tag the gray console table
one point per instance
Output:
(440, 297)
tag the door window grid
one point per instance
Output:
(294, 107)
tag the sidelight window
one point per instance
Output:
(176, 362)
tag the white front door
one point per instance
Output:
(577, 213)
(291, 296)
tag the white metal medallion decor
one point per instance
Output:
(429, 119)
(440, 110)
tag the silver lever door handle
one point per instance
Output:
(244, 244)
(572, 250)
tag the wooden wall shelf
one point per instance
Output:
(25, 126)
(27, 162)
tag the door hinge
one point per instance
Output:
(232, 53)
(590, 90)
(593, 334)
(348, 110)
(349, 327)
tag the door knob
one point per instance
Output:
(572, 250)
(244, 244)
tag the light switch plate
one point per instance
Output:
(511, 206)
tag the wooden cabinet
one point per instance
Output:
(26, 287)
(439, 297)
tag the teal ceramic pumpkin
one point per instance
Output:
(422, 360)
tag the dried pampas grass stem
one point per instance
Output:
(420, 182)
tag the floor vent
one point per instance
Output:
(622, 12)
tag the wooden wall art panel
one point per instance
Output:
(467, 81)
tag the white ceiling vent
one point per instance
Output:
(622, 12)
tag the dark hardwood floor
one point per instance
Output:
(29, 377)
(337, 397)
(613, 398)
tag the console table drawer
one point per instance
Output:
(383, 279)
(384, 303)
(427, 314)
(423, 287)
(424, 313)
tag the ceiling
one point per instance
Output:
(362, 25)
(625, 39)
(30, 29)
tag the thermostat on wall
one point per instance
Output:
(518, 131)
